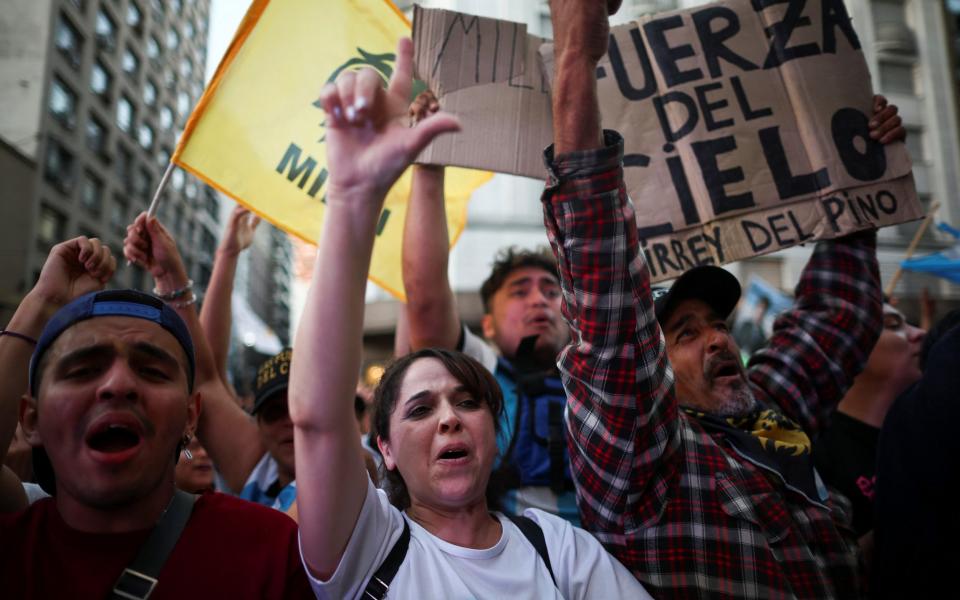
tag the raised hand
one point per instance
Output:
(150, 245)
(73, 268)
(581, 28)
(424, 105)
(885, 124)
(240, 230)
(368, 142)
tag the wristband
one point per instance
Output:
(21, 336)
(184, 303)
(176, 293)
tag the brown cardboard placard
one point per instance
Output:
(489, 73)
(742, 121)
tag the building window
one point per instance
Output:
(915, 144)
(153, 48)
(51, 227)
(106, 30)
(191, 190)
(144, 183)
(91, 193)
(183, 104)
(63, 103)
(177, 179)
(68, 41)
(166, 117)
(149, 93)
(100, 80)
(135, 17)
(125, 167)
(58, 166)
(96, 135)
(124, 113)
(210, 202)
(170, 78)
(163, 157)
(157, 7)
(175, 6)
(173, 39)
(186, 68)
(131, 64)
(118, 214)
(145, 136)
(80, 4)
(897, 78)
(189, 30)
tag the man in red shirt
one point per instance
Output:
(111, 400)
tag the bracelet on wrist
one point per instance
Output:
(176, 293)
(184, 303)
(20, 336)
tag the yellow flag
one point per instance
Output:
(257, 133)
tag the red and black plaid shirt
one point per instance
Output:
(677, 505)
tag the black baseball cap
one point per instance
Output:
(273, 376)
(715, 286)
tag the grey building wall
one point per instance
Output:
(97, 93)
(16, 173)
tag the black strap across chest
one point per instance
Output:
(379, 584)
(138, 580)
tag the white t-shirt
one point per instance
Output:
(510, 569)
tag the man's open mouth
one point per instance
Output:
(112, 438)
(724, 368)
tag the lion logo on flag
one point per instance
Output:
(382, 63)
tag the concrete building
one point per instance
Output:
(908, 46)
(94, 96)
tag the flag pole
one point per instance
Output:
(911, 249)
(155, 203)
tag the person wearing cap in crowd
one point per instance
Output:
(271, 482)
(693, 470)
(113, 394)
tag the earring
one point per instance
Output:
(186, 442)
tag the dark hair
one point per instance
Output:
(509, 260)
(479, 383)
(948, 322)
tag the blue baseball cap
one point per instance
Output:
(113, 303)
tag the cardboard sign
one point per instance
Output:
(745, 125)
(489, 73)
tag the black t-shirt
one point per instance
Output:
(918, 483)
(846, 458)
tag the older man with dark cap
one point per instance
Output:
(695, 472)
(111, 399)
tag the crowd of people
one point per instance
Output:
(601, 438)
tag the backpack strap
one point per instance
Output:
(138, 580)
(534, 534)
(380, 582)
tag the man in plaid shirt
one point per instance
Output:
(693, 471)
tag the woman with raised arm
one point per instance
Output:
(437, 412)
